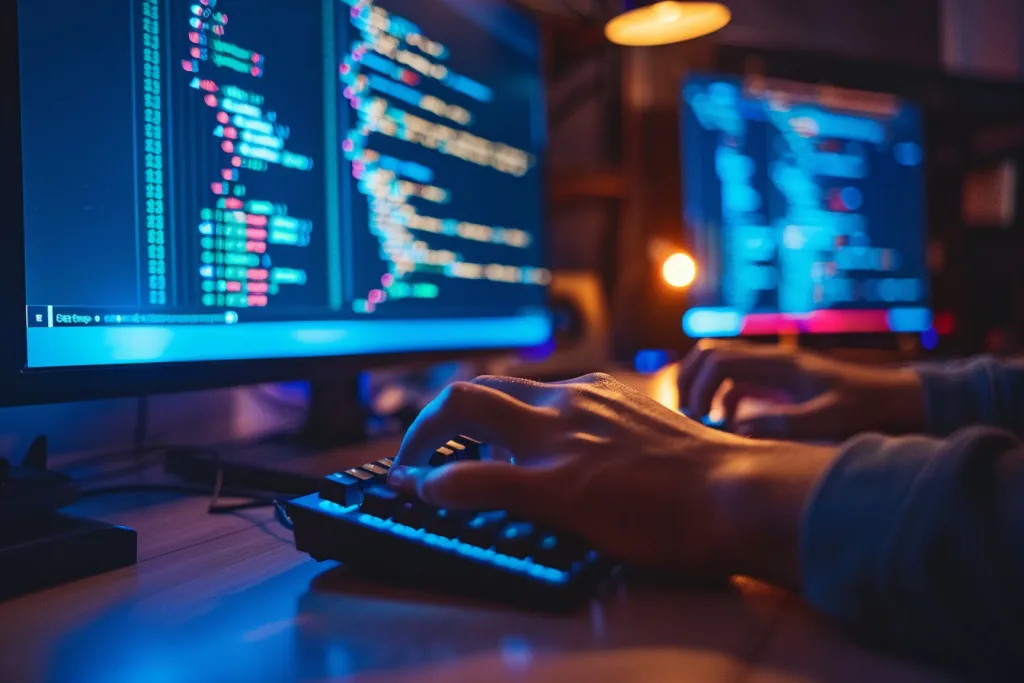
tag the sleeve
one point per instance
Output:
(980, 391)
(918, 545)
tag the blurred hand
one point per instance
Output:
(638, 481)
(814, 398)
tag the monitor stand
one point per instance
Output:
(333, 438)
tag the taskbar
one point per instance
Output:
(70, 316)
(725, 322)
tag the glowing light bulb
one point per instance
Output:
(667, 12)
(668, 21)
(679, 270)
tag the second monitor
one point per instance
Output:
(805, 206)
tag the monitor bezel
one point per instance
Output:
(21, 385)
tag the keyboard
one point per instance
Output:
(358, 520)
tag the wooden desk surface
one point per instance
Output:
(228, 598)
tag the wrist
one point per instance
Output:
(760, 499)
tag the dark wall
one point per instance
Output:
(905, 31)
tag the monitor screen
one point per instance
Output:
(805, 207)
(211, 180)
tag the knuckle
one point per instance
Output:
(707, 345)
(458, 393)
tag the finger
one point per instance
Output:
(690, 367)
(695, 360)
(526, 492)
(737, 392)
(713, 372)
(815, 419)
(731, 400)
(745, 365)
(539, 394)
(525, 390)
(479, 412)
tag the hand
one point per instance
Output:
(640, 482)
(815, 398)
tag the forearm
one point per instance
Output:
(913, 543)
(916, 544)
(980, 391)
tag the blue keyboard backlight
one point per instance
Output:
(541, 572)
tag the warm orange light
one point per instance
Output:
(679, 270)
(670, 21)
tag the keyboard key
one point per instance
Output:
(516, 539)
(558, 552)
(342, 488)
(447, 523)
(379, 473)
(442, 456)
(386, 463)
(360, 474)
(472, 449)
(411, 513)
(482, 529)
(379, 501)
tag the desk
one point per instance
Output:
(228, 598)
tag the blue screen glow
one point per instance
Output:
(805, 208)
(246, 179)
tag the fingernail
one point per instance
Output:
(397, 475)
(406, 478)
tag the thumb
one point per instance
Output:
(482, 485)
(814, 419)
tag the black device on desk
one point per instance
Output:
(241, 191)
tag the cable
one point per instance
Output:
(141, 430)
(282, 516)
(183, 489)
(255, 502)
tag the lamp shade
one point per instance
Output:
(668, 21)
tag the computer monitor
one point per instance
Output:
(805, 209)
(224, 191)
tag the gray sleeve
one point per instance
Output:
(917, 545)
(981, 391)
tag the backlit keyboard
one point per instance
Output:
(357, 519)
(707, 421)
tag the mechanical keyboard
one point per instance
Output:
(360, 521)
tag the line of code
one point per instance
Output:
(245, 239)
(153, 154)
(402, 87)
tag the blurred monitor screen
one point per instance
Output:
(805, 206)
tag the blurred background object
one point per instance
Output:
(615, 189)
(645, 23)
